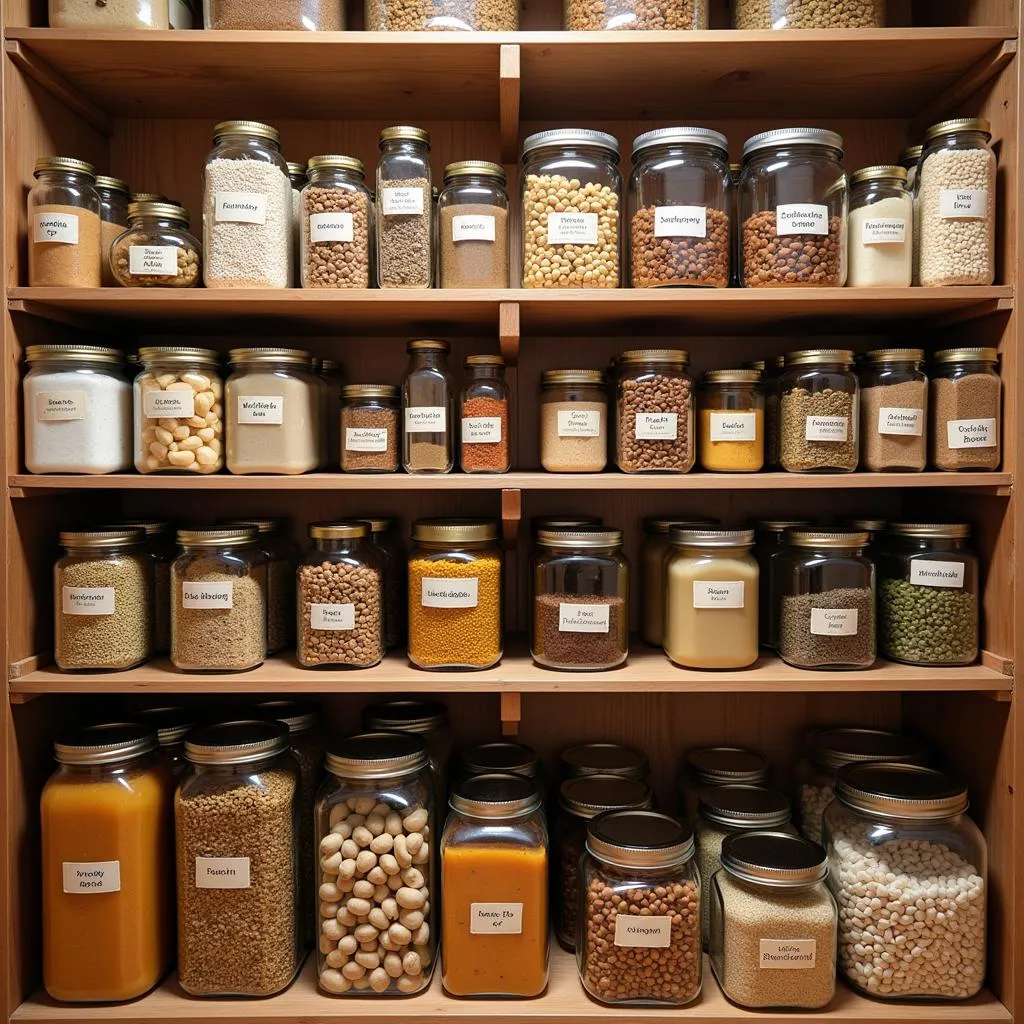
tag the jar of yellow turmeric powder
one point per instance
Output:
(731, 421)
(455, 594)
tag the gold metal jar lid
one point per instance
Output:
(779, 525)
(295, 169)
(717, 766)
(957, 125)
(587, 796)
(880, 172)
(501, 757)
(911, 155)
(388, 391)
(91, 354)
(440, 531)
(589, 537)
(937, 531)
(406, 132)
(149, 197)
(242, 742)
(379, 524)
(499, 795)
(428, 345)
(474, 168)
(834, 747)
(662, 356)
(732, 377)
(178, 355)
(254, 129)
(966, 355)
(869, 526)
(228, 536)
(336, 162)
(833, 539)
(686, 537)
(299, 715)
(484, 360)
(117, 537)
(113, 184)
(422, 717)
(820, 357)
(251, 356)
(377, 755)
(754, 364)
(150, 527)
(662, 524)
(347, 529)
(777, 860)
(900, 791)
(109, 743)
(604, 759)
(639, 839)
(165, 211)
(557, 378)
(895, 355)
(267, 526)
(63, 163)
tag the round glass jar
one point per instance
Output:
(483, 411)
(631, 14)
(772, 389)
(794, 220)
(334, 224)
(385, 536)
(501, 758)
(707, 767)
(64, 233)
(297, 178)
(236, 816)
(898, 835)
(171, 726)
(452, 16)
(779, 14)
(965, 406)
(86, 14)
(114, 195)
(158, 539)
(956, 196)
(604, 759)
(572, 193)
(645, 861)
(405, 239)
(472, 226)
(428, 401)
(894, 411)
(819, 408)
(580, 598)
(157, 250)
(731, 421)
(370, 430)
(768, 543)
(375, 816)
(679, 205)
(909, 160)
(573, 421)
(881, 229)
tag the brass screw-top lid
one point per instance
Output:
(343, 530)
(732, 377)
(267, 526)
(832, 539)
(580, 537)
(895, 355)
(405, 132)
(667, 356)
(936, 531)
(882, 172)
(959, 124)
(112, 184)
(255, 129)
(820, 357)
(454, 530)
(966, 355)
(484, 361)
(178, 354)
(331, 161)
(291, 356)
(165, 211)
(228, 536)
(370, 391)
(427, 345)
(117, 537)
(63, 163)
(553, 378)
(149, 197)
(687, 537)
(295, 169)
(379, 524)
(911, 155)
(474, 168)
(150, 527)
(93, 354)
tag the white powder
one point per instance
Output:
(882, 264)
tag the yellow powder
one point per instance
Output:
(731, 456)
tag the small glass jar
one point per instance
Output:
(768, 543)
(237, 825)
(644, 863)
(679, 204)
(881, 229)
(731, 421)
(456, 594)
(772, 389)
(494, 876)
(899, 838)
(707, 767)
(335, 216)
(179, 425)
(573, 421)
(77, 410)
(965, 406)
(604, 759)
(114, 194)
(794, 219)
(502, 758)
(385, 536)
(405, 239)
(577, 245)
(894, 411)
(297, 178)
(157, 250)
(247, 208)
(472, 226)
(773, 923)
(378, 784)
(581, 16)
(171, 726)
(483, 411)
(580, 598)
(654, 412)
(819, 410)
(86, 14)
(779, 14)
(159, 543)
(64, 231)
(219, 601)
(428, 401)
(956, 194)
(370, 431)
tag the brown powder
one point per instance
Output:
(973, 397)
(893, 451)
(427, 457)
(474, 263)
(360, 420)
(566, 649)
(61, 265)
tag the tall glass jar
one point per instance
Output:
(779, 14)
(64, 232)
(573, 421)
(768, 544)
(237, 825)
(114, 194)
(335, 215)
(956, 193)
(483, 410)
(370, 431)
(630, 14)
(171, 726)
(385, 536)
(604, 759)
(159, 544)
(647, 861)
(965, 394)
(881, 229)
(375, 815)
(156, 251)
(247, 209)
(794, 223)
(731, 421)
(572, 193)
(494, 875)
(706, 767)
(405, 239)
(679, 206)
(580, 599)
(472, 226)
(428, 401)
(899, 838)
(894, 411)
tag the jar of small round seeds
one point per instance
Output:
(157, 250)
(405, 236)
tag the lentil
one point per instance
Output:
(886, 441)
(968, 398)
(799, 454)
(659, 262)
(332, 262)
(488, 456)
(339, 584)
(474, 262)
(927, 625)
(403, 240)
(64, 265)
(774, 261)
(799, 645)
(570, 649)
(642, 15)
(753, 14)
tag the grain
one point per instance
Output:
(404, 250)
(655, 395)
(65, 264)
(974, 396)
(355, 456)
(112, 14)
(800, 647)
(473, 262)
(674, 261)
(927, 625)
(360, 644)
(573, 452)
(488, 456)
(275, 15)
(331, 262)
(442, 15)
(567, 649)
(774, 261)
(800, 413)
(809, 14)
(893, 451)
(643, 15)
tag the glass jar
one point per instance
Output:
(580, 800)
(369, 428)
(247, 208)
(219, 601)
(581, 16)
(898, 838)
(705, 767)
(909, 160)
(732, 421)
(778, 14)
(274, 406)
(965, 393)
(332, 376)
(86, 14)
(768, 543)
(568, 522)
(573, 421)
(577, 245)
(773, 923)
(711, 591)
(472, 226)
(113, 193)
(580, 597)
(237, 824)
(881, 229)
(679, 202)
(428, 398)
(928, 595)
(956, 194)
(64, 225)
(378, 785)
(500, 758)
(483, 410)
(77, 410)
(772, 388)
(334, 223)
(157, 250)
(604, 759)
(454, 15)
(819, 409)
(297, 178)
(171, 726)
(405, 254)
(647, 862)
(179, 426)
(384, 536)
(456, 594)
(874, 528)
(894, 411)
(494, 876)
(789, 207)
(158, 540)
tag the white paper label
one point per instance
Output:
(261, 409)
(366, 439)
(801, 219)
(579, 423)
(208, 595)
(491, 918)
(92, 876)
(222, 872)
(155, 260)
(834, 621)
(827, 428)
(55, 406)
(162, 405)
(963, 204)
(56, 227)
(330, 227)
(426, 419)
(718, 594)
(971, 433)
(902, 422)
(332, 616)
(240, 207)
(681, 222)
(481, 430)
(401, 201)
(479, 227)
(442, 593)
(657, 426)
(925, 572)
(572, 228)
(733, 426)
(583, 618)
(88, 600)
(787, 954)
(883, 231)
(648, 932)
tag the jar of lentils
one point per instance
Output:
(157, 250)
(334, 222)
(778, 14)
(573, 421)
(965, 406)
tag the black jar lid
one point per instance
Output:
(836, 747)
(172, 725)
(423, 717)
(639, 839)
(109, 743)
(900, 791)
(744, 807)
(587, 796)
(298, 715)
(719, 766)
(377, 755)
(500, 758)
(240, 742)
(604, 759)
(495, 795)
(775, 859)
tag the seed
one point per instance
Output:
(927, 625)
(404, 251)
(800, 455)
(805, 649)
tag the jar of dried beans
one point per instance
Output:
(965, 403)
(334, 221)
(778, 14)
(732, 421)
(573, 421)
(640, 15)
(114, 195)
(64, 234)
(157, 250)
(370, 433)
(405, 237)
(484, 416)
(894, 411)
(428, 402)
(472, 226)
(386, 538)
(881, 228)
(707, 767)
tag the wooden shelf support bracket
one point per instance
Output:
(511, 513)
(511, 712)
(508, 102)
(508, 332)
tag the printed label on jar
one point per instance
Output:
(647, 932)
(481, 430)
(579, 423)
(480, 228)
(971, 433)
(489, 918)
(827, 428)
(330, 227)
(681, 222)
(902, 422)
(153, 260)
(159, 405)
(200, 596)
(222, 872)
(54, 406)
(734, 426)
(834, 621)
(426, 419)
(366, 439)
(657, 426)
(88, 600)
(89, 876)
(442, 593)
(267, 410)
(572, 228)
(401, 201)
(332, 616)
(926, 572)
(883, 231)
(583, 618)
(240, 207)
(718, 594)
(787, 954)
(55, 227)
(801, 219)
(963, 203)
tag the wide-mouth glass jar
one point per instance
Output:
(881, 228)
(453, 15)
(768, 543)
(573, 421)
(157, 250)
(894, 411)
(158, 541)
(385, 536)
(64, 232)
(965, 410)
(779, 14)
(335, 215)
(501, 757)
(171, 726)
(296, 15)
(428, 401)
(898, 836)
(472, 226)
(114, 196)
(572, 193)
(404, 212)
(630, 14)
(484, 415)
(706, 767)
(370, 431)
(731, 421)
(604, 759)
